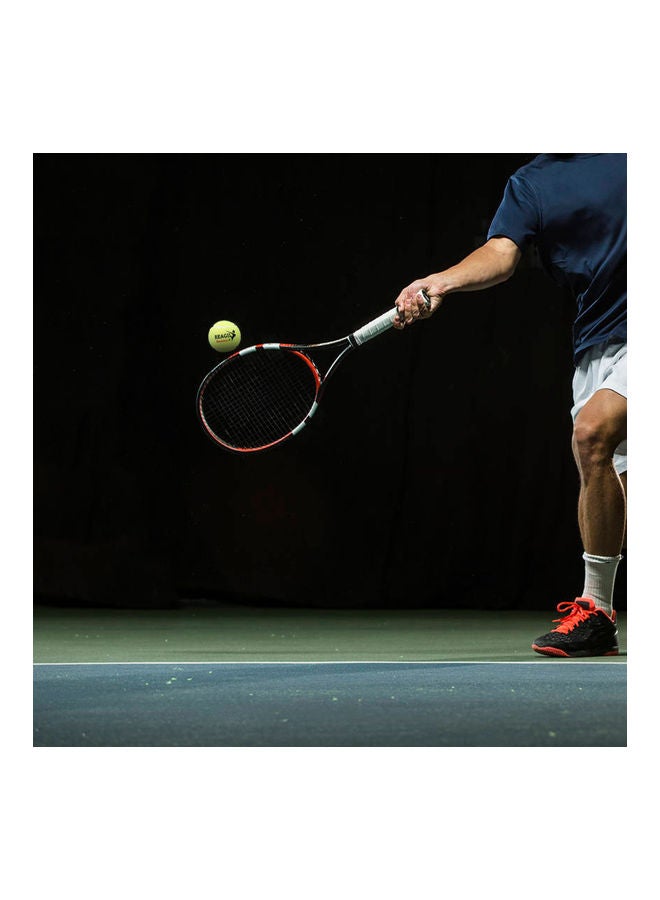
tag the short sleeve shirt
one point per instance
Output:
(573, 208)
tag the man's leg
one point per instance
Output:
(599, 428)
(624, 481)
(589, 625)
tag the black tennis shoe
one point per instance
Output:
(584, 630)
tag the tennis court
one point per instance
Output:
(235, 676)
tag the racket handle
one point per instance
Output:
(375, 327)
(382, 323)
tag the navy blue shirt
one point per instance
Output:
(573, 208)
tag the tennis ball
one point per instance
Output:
(224, 336)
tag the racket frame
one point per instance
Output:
(372, 329)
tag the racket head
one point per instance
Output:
(258, 397)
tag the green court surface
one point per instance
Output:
(245, 634)
(236, 676)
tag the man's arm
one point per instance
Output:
(488, 265)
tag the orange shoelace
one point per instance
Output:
(574, 615)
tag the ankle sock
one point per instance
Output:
(599, 575)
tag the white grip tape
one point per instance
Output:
(376, 327)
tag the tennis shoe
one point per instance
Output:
(583, 630)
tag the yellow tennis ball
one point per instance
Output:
(224, 336)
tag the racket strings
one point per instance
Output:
(256, 399)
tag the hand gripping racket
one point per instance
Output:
(261, 396)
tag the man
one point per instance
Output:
(573, 208)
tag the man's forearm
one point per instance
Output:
(485, 267)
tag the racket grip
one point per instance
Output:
(375, 327)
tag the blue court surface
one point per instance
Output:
(331, 704)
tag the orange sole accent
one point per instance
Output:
(549, 651)
(554, 651)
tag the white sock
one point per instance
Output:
(599, 575)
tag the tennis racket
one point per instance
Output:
(261, 396)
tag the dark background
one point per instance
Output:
(437, 472)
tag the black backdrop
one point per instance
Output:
(437, 472)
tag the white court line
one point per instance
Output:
(351, 662)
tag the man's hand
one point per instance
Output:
(411, 303)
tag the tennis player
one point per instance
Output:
(573, 208)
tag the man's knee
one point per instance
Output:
(599, 429)
(591, 444)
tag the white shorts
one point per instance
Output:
(603, 366)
